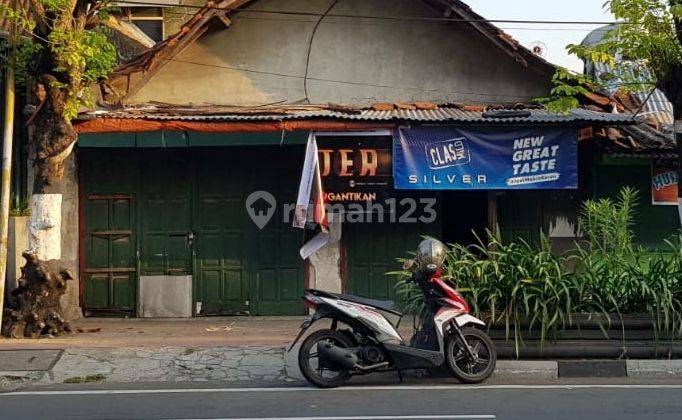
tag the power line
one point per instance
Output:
(310, 48)
(400, 18)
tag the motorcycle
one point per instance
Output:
(369, 340)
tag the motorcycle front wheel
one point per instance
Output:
(309, 361)
(464, 367)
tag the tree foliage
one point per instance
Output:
(643, 50)
(63, 44)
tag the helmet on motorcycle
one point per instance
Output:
(430, 255)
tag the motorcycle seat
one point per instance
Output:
(384, 305)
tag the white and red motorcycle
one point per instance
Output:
(369, 341)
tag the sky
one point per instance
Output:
(555, 37)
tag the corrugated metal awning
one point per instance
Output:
(443, 114)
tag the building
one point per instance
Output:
(162, 180)
(643, 156)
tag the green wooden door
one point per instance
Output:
(221, 224)
(188, 206)
(240, 268)
(279, 271)
(109, 272)
(165, 213)
(372, 250)
(520, 215)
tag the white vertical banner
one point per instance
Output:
(310, 194)
(310, 165)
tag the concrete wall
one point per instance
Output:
(262, 59)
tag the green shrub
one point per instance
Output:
(518, 284)
(506, 282)
(628, 278)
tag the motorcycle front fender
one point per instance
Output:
(467, 319)
(449, 316)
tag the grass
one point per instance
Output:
(85, 379)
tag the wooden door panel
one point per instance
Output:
(123, 295)
(279, 269)
(98, 252)
(233, 249)
(383, 285)
(222, 279)
(291, 288)
(233, 286)
(373, 250)
(267, 280)
(166, 212)
(109, 273)
(123, 251)
(96, 293)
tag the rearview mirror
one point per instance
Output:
(407, 265)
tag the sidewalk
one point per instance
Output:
(224, 350)
(174, 350)
(198, 332)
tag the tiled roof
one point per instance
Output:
(639, 140)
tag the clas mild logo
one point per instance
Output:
(448, 153)
(261, 206)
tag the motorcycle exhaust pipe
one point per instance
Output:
(332, 356)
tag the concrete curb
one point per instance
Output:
(540, 369)
(187, 364)
(654, 368)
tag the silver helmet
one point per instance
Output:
(430, 255)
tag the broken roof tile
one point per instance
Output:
(383, 107)
(426, 105)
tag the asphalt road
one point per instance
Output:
(415, 401)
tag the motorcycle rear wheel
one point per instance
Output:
(315, 374)
(459, 362)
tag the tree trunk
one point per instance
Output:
(34, 307)
(54, 138)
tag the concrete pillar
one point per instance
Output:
(70, 239)
(325, 273)
(17, 244)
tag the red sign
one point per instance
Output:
(664, 184)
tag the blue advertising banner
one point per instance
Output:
(448, 158)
